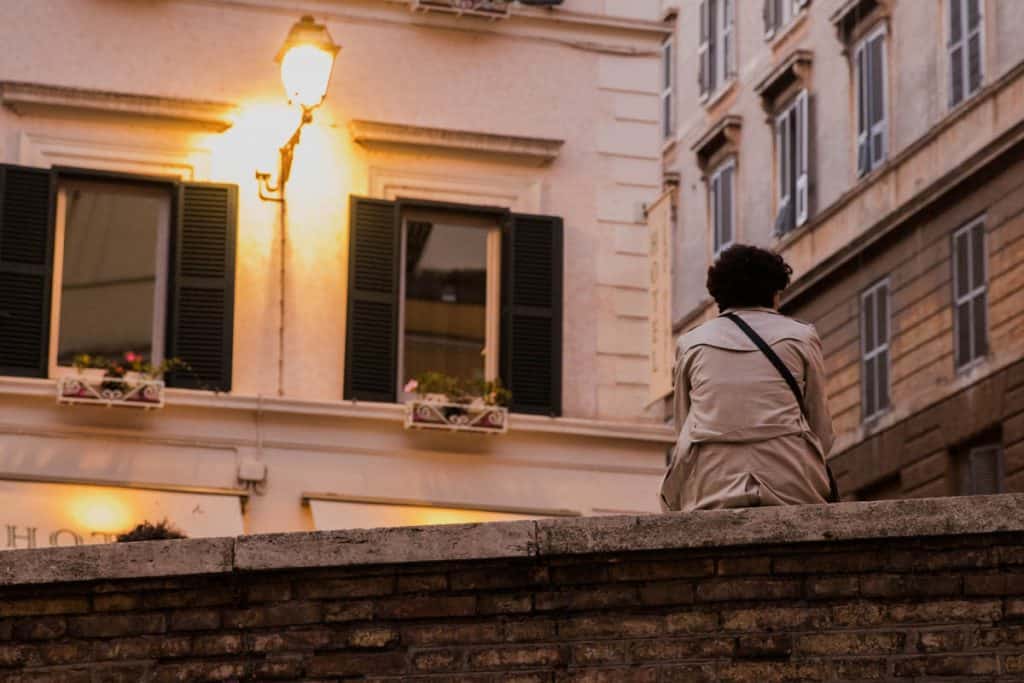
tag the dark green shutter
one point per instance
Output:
(26, 269)
(531, 321)
(371, 348)
(202, 293)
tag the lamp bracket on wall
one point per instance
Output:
(274, 192)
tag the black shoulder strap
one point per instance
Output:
(772, 356)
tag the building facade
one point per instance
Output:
(468, 199)
(877, 145)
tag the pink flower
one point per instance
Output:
(131, 356)
(411, 386)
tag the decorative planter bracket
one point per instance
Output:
(456, 417)
(109, 391)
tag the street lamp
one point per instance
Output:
(307, 60)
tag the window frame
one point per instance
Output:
(968, 481)
(492, 343)
(668, 94)
(164, 267)
(715, 53)
(965, 35)
(788, 150)
(867, 354)
(862, 83)
(972, 295)
(714, 196)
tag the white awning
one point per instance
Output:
(36, 514)
(333, 511)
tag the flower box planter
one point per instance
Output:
(491, 9)
(457, 417)
(110, 391)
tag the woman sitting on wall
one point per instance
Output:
(754, 427)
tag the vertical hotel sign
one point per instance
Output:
(662, 356)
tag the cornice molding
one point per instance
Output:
(29, 98)
(374, 134)
(795, 68)
(722, 133)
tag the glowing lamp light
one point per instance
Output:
(307, 59)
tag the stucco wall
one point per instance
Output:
(911, 590)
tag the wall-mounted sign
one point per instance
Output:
(662, 355)
(44, 515)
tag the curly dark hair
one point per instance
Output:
(746, 276)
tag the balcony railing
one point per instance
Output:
(491, 9)
(456, 417)
(111, 391)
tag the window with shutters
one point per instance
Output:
(450, 294)
(473, 292)
(872, 120)
(981, 469)
(970, 294)
(965, 48)
(779, 14)
(791, 140)
(874, 335)
(716, 46)
(110, 271)
(722, 201)
(668, 86)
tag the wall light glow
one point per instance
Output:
(100, 511)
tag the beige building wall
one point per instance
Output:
(584, 74)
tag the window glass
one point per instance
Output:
(445, 300)
(113, 239)
(970, 294)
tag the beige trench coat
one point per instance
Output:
(742, 440)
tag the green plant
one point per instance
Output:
(131, 362)
(458, 390)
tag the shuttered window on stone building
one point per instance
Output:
(722, 200)
(777, 14)
(716, 46)
(791, 144)
(527, 318)
(965, 48)
(981, 470)
(872, 120)
(875, 359)
(175, 284)
(668, 89)
(970, 294)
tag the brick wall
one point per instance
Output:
(907, 590)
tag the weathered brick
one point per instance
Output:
(744, 566)
(275, 614)
(940, 641)
(181, 599)
(268, 592)
(594, 598)
(113, 625)
(120, 673)
(511, 576)
(604, 652)
(692, 622)
(372, 637)
(660, 649)
(282, 667)
(424, 607)
(217, 644)
(688, 673)
(994, 584)
(40, 628)
(859, 669)
(421, 583)
(772, 646)
(578, 573)
(829, 563)
(532, 629)
(776, 619)
(909, 586)
(933, 612)
(348, 611)
(452, 634)
(517, 657)
(667, 593)
(917, 560)
(1005, 636)
(838, 586)
(116, 602)
(194, 620)
(6, 629)
(345, 588)
(505, 603)
(771, 672)
(66, 675)
(290, 640)
(360, 664)
(143, 647)
(51, 653)
(845, 643)
(12, 655)
(625, 675)
(654, 570)
(199, 671)
(437, 660)
(43, 606)
(725, 590)
(945, 665)
(1014, 664)
(616, 626)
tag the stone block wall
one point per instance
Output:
(905, 590)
